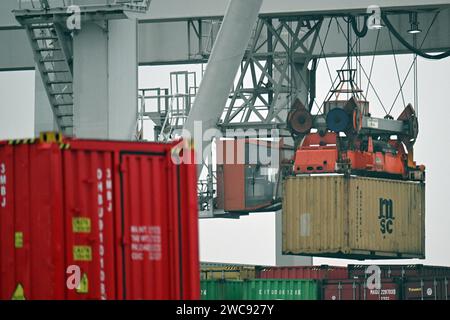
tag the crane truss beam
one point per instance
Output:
(191, 41)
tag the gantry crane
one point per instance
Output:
(216, 108)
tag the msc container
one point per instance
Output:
(358, 290)
(353, 217)
(400, 271)
(221, 290)
(281, 289)
(426, 289)
(304, 272)
(122, 213)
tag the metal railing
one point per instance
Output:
(133, 5)
(43, 4)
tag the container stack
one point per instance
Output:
(398, 282)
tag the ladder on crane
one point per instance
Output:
(53, 57)
(52, 52)
(173, 121)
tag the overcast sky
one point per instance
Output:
(251, 239)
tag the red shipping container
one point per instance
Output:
(304, 272)
(357, 290)
(426, 289)
(122, 212)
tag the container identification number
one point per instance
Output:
(103, 180)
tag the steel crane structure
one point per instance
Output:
(78, 81)
(285, 39)
(281, 61)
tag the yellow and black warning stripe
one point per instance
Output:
(21, 141)
(44, 137)
(54, 137)
(64, 146)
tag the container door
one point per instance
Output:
(150, 228)
(31, 223)
(7, 258)
(421, 289)
(45, 243)
(341, 291)
(89, 198)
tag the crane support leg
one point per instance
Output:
(105, 80)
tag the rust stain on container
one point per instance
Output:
(353, 217)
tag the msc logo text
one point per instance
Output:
(386, 216)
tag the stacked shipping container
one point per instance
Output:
(415, 282)
(398, 282)
(396, 271)
(260, 289)
(123, 214)
(231, 272)
(281, 289)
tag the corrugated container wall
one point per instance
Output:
(123, 213)
(230, 272)
(358, 290)
(281, 289)
(221, 290)
(426, 289)
(353, 217)
(400, 271)
(306, 272)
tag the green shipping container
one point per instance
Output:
(221, 290)
(281, 289)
